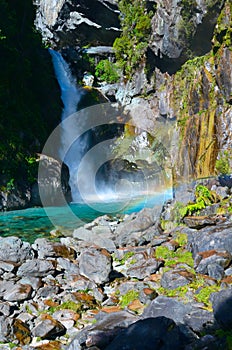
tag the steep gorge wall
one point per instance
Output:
(197, 94)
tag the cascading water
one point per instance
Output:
(71, 96)
(86, 154)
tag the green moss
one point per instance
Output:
(227, 335)
(179, 292)
(163, 252)
(204, 294)
(127, 298)
(199, 283)
(223, 163)
(181, 239)
(70, 305)
(126, 256)
(172, 258)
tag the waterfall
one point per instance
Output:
(86, 154)
(70, 95)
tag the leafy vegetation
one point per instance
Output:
(69, 305)
(127, 298)
(131, 46)
(107, 71)
(225, 334)
(174, 257)
(198, 287)
(223, 163)
(204, 197)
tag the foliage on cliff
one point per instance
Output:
(131, 46)
(29, 95)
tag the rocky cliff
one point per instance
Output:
(188, 38)
(77, 22)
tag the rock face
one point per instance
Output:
(177, 26)
(77, 22)
(52, 185)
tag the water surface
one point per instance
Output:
(32, 223)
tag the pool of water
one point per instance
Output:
(29, 224)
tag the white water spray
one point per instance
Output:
(70, 95)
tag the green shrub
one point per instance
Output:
(131, 46)
(223, 163)
(204, 197)
(107, 71)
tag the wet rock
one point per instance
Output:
(149, 334)
(222, 192)
(48, 328)
(143, 268)
(199, 320)
(67, 266)
(36, 268)
(21, 332)
(12, 249)
(5, 309)
(225, 180)
(215, 237)
(19, 292)
(99, 235)
(167, 307)
(175, 278)
(49, 249)
(200, 221)
(134, 231)
(5, 328)
(222, 308)
(203, 260)
(6, 266)
(78, 22)
(216, 271)
(95, 265)
(53, 188)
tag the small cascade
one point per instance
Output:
(71, 96)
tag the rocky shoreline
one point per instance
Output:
(151, 280)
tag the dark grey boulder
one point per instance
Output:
(138, 228)
(213, 237)
(13, 249)
(199, 320)
(216, 271)
(149, 334)
(95, 264)
(222, 308)
(5, 328)
(143, 268)
(19, 292)
(48, 328)
(167, 307)
(36, 268)
(204, 260)
(106, 328)
(173, 279)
